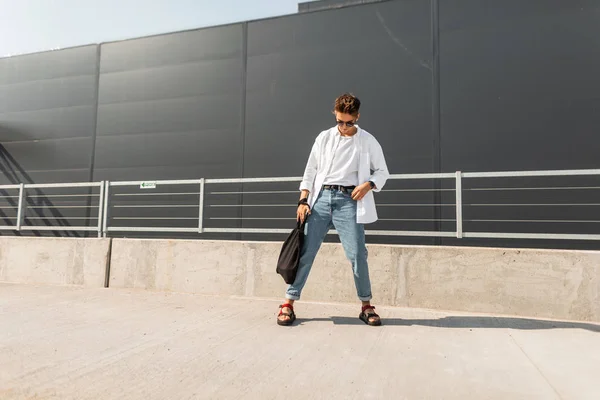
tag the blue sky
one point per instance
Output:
(27, 26)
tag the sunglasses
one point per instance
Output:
(349, 124)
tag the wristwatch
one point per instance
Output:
(372, 184)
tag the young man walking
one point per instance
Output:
(336, 192)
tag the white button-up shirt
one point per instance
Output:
(344, 168)
(370, 157)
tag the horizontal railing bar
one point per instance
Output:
(411, 233)
(8, 228)
(535, 188)
(423, 176)
(245, 230)
(255, 180)
(9, 207)
(533, 204)
(158, 206)
(496, 235)
(419, 219)
(59, 228)
(368, 232)
(64, 218)
(61, 185)
(261, 192)
(59, 206)
(294, 205)
(31, 196)
(416, 205)
(419, 190)
(551, 221)
(253, 205)
(9, 187)
(333, 232)
(296, 191)
(149, 229)
(157, 194)
(252, 218)
(156, 218)
(291, 219)
(517, 174)
(163, 182)
(65, 202)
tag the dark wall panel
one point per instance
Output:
(170, 106)
(298, 65)
(519, 84)
(47, 123)
(519, 91)
(47, 115)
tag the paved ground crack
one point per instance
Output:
(535, 365)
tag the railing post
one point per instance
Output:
(201, 208)
(100, 209)
(105, 212)
(20, 211)
(459, 216)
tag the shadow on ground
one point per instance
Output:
(465, 322)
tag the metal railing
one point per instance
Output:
(452, 205)
(52, 207)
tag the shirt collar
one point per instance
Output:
(336, 131)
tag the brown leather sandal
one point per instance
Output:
(291, 315)
(366, 318)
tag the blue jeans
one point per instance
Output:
(334, 209)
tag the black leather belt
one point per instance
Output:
(346, 189)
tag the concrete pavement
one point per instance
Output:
(95, 343)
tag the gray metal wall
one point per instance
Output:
(47, 129)
(520, 91)
(171, 107)
(471, 85)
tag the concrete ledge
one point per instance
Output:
(54, 261)
(559, 284)
(207, 267)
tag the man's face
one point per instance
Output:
(346, 122)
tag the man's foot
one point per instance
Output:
(286, 315)
(369, 316)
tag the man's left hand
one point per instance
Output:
(361, 191)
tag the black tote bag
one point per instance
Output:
(289, 257)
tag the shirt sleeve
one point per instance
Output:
(310, 172)
(378, 165)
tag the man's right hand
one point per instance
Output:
(302, 213)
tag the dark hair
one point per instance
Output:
(347, 104)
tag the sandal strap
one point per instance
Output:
(364, 308)
(289, 314)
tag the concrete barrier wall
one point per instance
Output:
(54, 261)
(539, 283)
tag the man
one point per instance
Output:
(336, 192)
